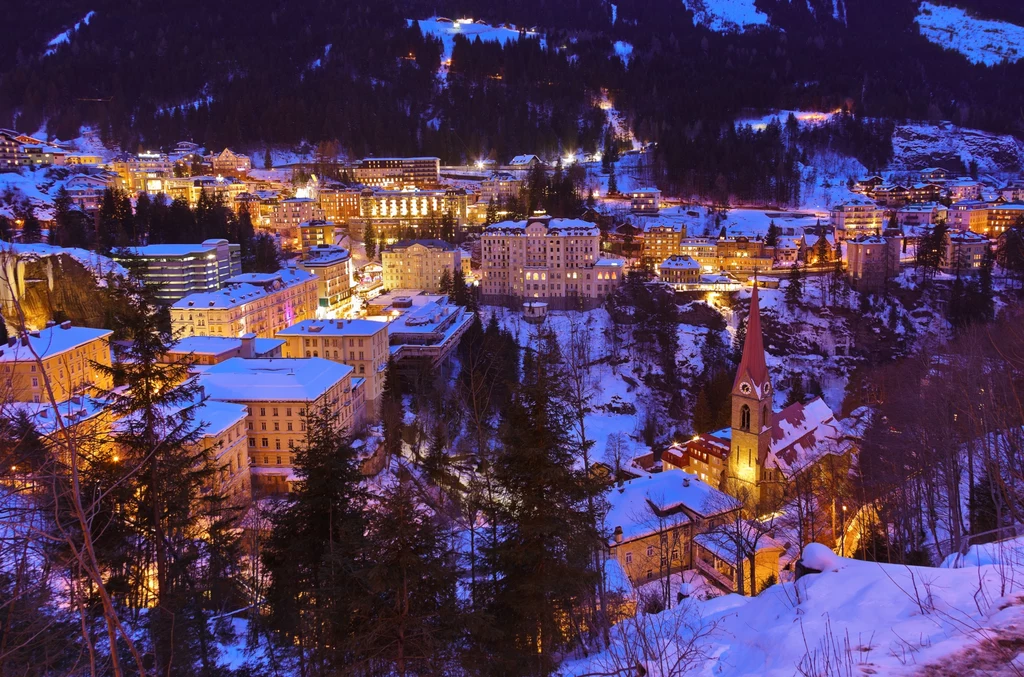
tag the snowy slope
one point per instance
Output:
(726, 15)
(945, 144)
(981, 41)
(855, 617)
(65, 36)
(447, 30)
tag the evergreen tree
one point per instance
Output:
(414, 624)
(5, 228)
(794, 286)
(491, 215)
(1010, 253)
(244, 233)
(772, 238)
(392, 411)
(797, 392)
(370, 240)
(31, 230)
(444, 285)
(316, 552)
(268, 162)
(461, 294)
(543, 553)
(613, 184)
(703, 419)
(266, 255)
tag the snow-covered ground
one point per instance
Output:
(64, 37)
(924, 144)
(804, 117)
(726, 15)
(981, 41)
(853, 618)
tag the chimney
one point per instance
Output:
(11, 342)
(248, 345)
(66, 324)
(656, 466)
(618, 534)
(686, 481)
(24, 339)
(50, 323)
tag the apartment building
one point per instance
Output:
(279, 395)
(679, 270)
(871, 260)
(922, 214)
(10, 150)
(395, 212)
(258, 303)
(421, 172)
(963, 189)
(969, 215)
(965, 253)
(1002, 217)
(661, 241)
(228, 163)
(317, 232)
(545, 259)
(69, 357)
(742, 254)
(360, 344)
(500, 188)
(423, 337)
(338, 204)
(332, 266)
(289, 214)
(142, 172)
(419, 264)
(86, 190)
(704, 250)
(857, 217)
(645, 201)
(178, 270)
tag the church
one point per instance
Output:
(763, 450)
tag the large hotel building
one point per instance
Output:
(553, 260)
(422, 172)
(178, 270)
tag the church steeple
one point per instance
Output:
(752, 413)
(753, 369)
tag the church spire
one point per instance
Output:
(753, 369)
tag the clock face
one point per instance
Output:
(745, 388)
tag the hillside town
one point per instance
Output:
(478, 366)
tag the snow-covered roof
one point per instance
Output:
(218, 345)
(245, 288)
(523, 160)
(648, 504)
(744, 536)
(680, 262)
(276, 380)
(802, 433)
(73, 411)
(356, 327)
(48, 342)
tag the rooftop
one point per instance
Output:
(680, 262)
(272, 380)
(245, 288)
(51, 341)
(218, 345)
(334, 328)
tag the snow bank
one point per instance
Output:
(820, 557)
(99, 265)
(981, 41)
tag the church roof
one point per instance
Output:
(753, 367)
(802, 433)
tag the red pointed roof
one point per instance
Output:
(753, 367)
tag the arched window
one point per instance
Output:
(764, 416)
(745, 418)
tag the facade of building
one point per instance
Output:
(857, 217)
(257, 303)
(661, 241)
(645, 201)
(969, 215)
(69, 356)
(963, 189)
(228, 163)
(741, 254)
(702, 249)
(544, 259)
(178, 270)
(419, 264)
(289, 214)
(279, 395)
(922, 214)
(965, 253)
(871, 260)
(421, 172)
(500, 188)
(1002, 217)
(338, 204)
(332, 266)
(317, 233)
(207, 350)
(86, 190)
(360, 344)
(680, 271)
(142, 172)
(423, 337)
(394, 212)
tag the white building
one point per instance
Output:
(182, 269)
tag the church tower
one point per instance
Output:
(751, 413)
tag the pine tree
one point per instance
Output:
(702, 416)
(543, 553)
(794, 286)
(392, 410)
(772, 238)
(370, 240)
(31, 230)
(316, 552)
(415, 619)
(491, 215)
(444, 285)
(266, 255)
(268, 162)
(613, 184)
